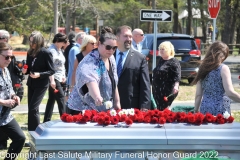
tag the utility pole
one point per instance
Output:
(55, 23)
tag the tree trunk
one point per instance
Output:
(189, 22)
(55, 23)
(25, 39)
(228, 16)
(175, 16)
(233, 25)
(238, 35)
(67, 27)
(203, 20)
(74, 16)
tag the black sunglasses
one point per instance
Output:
(2, 38)
(7, 57)
(141, 34)
(108, 47)
(91, 43)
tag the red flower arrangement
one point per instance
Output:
(25, 66)
(151, 116)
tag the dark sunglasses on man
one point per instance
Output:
(108, 47)
(2, 38)
(7, 57)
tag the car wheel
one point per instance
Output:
(190, 80)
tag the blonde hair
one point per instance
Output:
(168, 47)
(87, 39)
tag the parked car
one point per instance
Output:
(186, 51)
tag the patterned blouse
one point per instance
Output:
(59, 63)
(92, 69)
(214, 100)
(6, 91)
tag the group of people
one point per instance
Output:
(110, 69)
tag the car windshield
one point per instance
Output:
(179, 44)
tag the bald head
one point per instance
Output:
(138, 35)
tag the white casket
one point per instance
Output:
(172, 141)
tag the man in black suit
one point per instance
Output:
(134, 84)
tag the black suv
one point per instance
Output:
(186, 51)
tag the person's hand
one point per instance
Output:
(117, 105)
(64, 79)
(34, 74)
(144, 109)
(53, 84)
(175, 90)
(17, 99)
(9, 103)
(98, 101)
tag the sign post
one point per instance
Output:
(155, 15)
(213, 9)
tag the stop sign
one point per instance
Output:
(214, 7)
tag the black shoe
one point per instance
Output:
(3, 145)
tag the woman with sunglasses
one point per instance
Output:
(99, 73)
(88, 44)
(40, 67)
(8, 99)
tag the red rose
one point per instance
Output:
(128, 121)
(162, 120)
(106, 118)
(87, 117)
(133, 117)
(69, 118)
(25, 66)
(123, 118)
(160, 114)
(154, 120)
(114, 120)
(155, 112)
(17, 85)
(180, 117)
(208, 118)
(230, 119)
(147, 119)
(140, 118)
(150, 113)
(137, 111)
(191, 118)
(95, 118)
(107, 123)
(63, 117)
(55, 91)
(220, 120)
(165, 98)
(100, 120)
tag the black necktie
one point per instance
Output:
(119, 66)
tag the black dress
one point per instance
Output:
(166, 73)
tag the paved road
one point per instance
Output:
(229, 61)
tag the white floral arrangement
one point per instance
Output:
(226, 115)
(108, 104)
